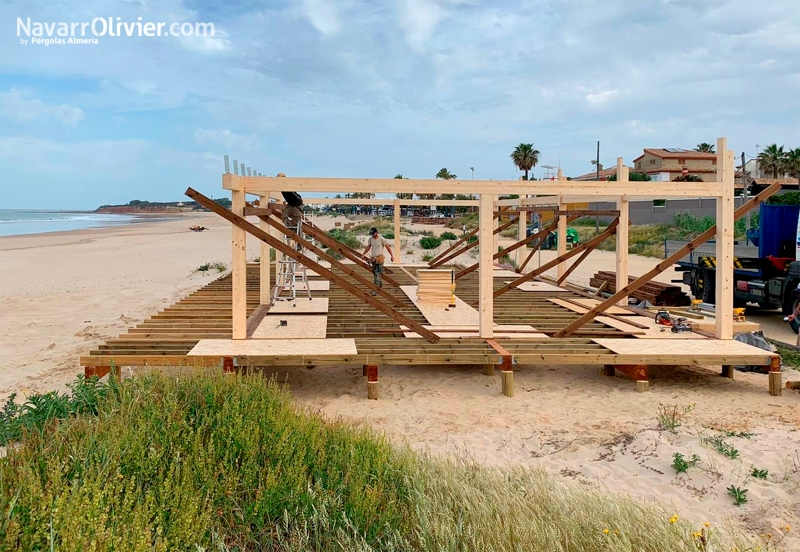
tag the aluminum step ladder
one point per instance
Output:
(289, 271)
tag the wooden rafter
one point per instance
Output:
(607, 233)
(328, 257)
(573, 266)
(663, 265)
(324, 272)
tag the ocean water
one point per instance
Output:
(14, 222)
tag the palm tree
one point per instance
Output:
(445, 174)
(772, 159)
(525, 157)
(792, 163)
(705, 147)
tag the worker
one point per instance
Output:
(795, 315)
(375, 246)
(292, 210)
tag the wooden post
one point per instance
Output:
(397, 248)
(562, 236)
(727, 371)
(642, 386)
(486, 268)
(775, 377)
(609, 370)
(263, 262)
(522, 221)
(623, 207)
(277, 235)
(238, 261)
(372, 382)
(725, 222)
(495, 235)
(508, 382)
(488, 369)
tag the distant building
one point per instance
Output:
(605, 174)
(666, 164)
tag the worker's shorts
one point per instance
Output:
(292, 217)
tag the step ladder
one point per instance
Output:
(289, 271)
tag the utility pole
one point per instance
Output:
(744, 191)
(597, 161)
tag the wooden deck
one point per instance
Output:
(167, 338)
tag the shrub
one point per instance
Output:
(430, 242)
(448, 236)
(344, 237)
(428, 256)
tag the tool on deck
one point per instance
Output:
(678, 325)
(738, 315)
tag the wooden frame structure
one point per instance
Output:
(569, 336)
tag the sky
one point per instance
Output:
(372, 88)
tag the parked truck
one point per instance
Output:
(766, 273)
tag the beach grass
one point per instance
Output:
(219, 462)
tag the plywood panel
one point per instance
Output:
(653, 331)
(537, 286)
(503, 273)
(435, 286)
(315, 285)
(317, 305)
(298, 326)
(525, 331)
(275, 347)
(442, 315)
(666, 348)
(587, 302)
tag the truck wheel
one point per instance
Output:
(703, 285)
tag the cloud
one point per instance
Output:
(601, 97)
(322, 14)
(418, 20)
(230, 140)
(16, 107)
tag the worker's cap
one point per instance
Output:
(373, 230)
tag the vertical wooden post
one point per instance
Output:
(775, 383)
(623, 206)
(725, 222)
(263, 262)
(522, 228)
(495, 237)
(562, 236)
(485, 266)
(372, 382)
(397, 249)
(488, 369)
(238, 261)
(275, 233)
(508, 382)
(609, 370)
(727, 371)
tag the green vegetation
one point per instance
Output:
(470, 221)
(789, 357)
(226, 463)
(739, 495)
(789, 198)
(511, 231)
(430, 242)
(721, 446)
(345, 237)
(759, 474)
(448, 236)
(681, 465)
(383, 224)
(205, 267)
(633, 176)
(670, 417)
(525, 157)
(428, 256)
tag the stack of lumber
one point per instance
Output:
(656, 293)
(435, 285)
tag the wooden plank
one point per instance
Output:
(314, 285)
(324, 272)
(263, 260)
(500, 330)
(561, 238)
(256, 317)
(623, 231)
(440, 314)
(724, 247)
(522, 229)
(665, 264)
(274, 348)
(486, 280)
(298, 326)
(538, 287)
(659, 351)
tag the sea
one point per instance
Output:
(15, 222)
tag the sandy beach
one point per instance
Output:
(63, 293)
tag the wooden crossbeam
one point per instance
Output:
(470, 245)
(324, 272)
(663, 265)
(334, 263)
(608, 232)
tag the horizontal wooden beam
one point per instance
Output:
(390, 202)
(632, 190)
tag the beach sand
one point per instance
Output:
(62, 294)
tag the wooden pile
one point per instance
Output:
(435, 285)
(657, 293)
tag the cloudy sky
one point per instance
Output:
(370, 88)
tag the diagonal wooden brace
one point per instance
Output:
(289, 251)
(469, 246)
(591, 244)
(334, 263)
(663, 265)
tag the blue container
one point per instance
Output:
(777, 230)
